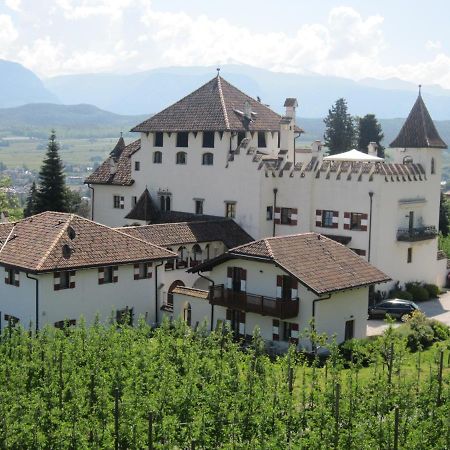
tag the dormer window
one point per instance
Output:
(261, 139)
(208, 139)
(158, 139)
(182, 139)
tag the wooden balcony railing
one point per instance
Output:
(416, 234)
(243, 301)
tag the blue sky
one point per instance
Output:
(353, 39)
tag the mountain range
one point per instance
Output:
(150, 91)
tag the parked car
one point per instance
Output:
(397, 308)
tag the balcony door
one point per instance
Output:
(237, 279)
(411, 220)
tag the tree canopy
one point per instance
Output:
(369, 130)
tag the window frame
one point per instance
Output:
(230, 209)
(157, 157)
(208, 139)
(199, 206)
(137, 166)
(327, 215)
(409, 256)
(118, 202)
(269, 213)
(10, 276)
(182, 139)
(262, 139)
(181, 158)
(158, 139)
(358, 226)
(208, 159)
(285, 219)
(108, 275)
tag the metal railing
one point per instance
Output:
(416, 233)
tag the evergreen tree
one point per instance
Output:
(340, 129)
(30, 206)
(369, 130)
(52, 195)
(444, 214)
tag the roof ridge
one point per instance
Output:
(139, 239)
(58, 237)
(222, 102)
(269, 248)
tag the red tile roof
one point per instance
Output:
(52, 241)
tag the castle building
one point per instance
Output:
(218, 152)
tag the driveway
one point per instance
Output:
(438, 308)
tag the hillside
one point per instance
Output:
(19, 85)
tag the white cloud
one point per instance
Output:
(13, 4)
(42, 56)
(433, 45)
(8, 33)
(83, 9)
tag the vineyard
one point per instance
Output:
(107, 387)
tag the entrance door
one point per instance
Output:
(236, 279)
(349, 329)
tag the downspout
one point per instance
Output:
(36, 300)
(370, 226)
(157, 291)
(275, 192)
(92, 201)
(314, 315)
(212, 305)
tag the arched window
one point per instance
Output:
(196, 255)
(157, 157)
(169, 264)
(433, 168)
(165, 202)
(175, 284)
(182, 258)
(181, 158)
(187, 314)
(208, 159)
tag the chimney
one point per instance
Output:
(112, 166)
(290, 104)
(247, 110)
(372, 149)
(316, 147)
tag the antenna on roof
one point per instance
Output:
(420, 89)
(121, 134)
(218, 71)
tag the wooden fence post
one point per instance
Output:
(116, 419)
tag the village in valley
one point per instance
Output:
(211, 277)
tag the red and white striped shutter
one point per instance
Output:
(335, 219)
(149, 270)
(229, 277)
(243, 280)
(7, 281)
(275, 330)
(56, 281)
(115, 274)
(242, 324)
(364, 222)
(346, 221)
(136, 271)
(294, 333)
(72, 279)
(228, 317)
(279, 286)
(318, 217)
(16, 278)
(294, 289)
(122, 202)
(277, 215)
(294, 216)
(101, 275)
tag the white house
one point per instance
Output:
(279, 284)
(218, 152)
(61, 266)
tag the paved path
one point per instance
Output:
(438, 308)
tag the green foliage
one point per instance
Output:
(52, 193)
(433, 290)
(30, 206)
(444, 215)
(421, 334)
(340, 129)
(58, 390)
(440, 330)
(369, 130)
(398, 293)
(419, 293)
(9, 201)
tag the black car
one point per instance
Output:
(397, 308)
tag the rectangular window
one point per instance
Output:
(108, 274)
(118, 202)
(12, 277)
(64, 279)
(409, 257)
(198, 206)
(124, 316)
(269, 213)
(137, 166)
(158, 139)
(349, 330)
(285, 216)
(230, 209)
(327, 218)
(133, 200)
(287, 330)
(356, 221)
(142, 271)
(261, 139)
(182, 139)
(208, 139)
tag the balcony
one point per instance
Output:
(266, 306)
(416, 234)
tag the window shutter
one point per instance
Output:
(364, 223)
(136, 271)
(275, 330)
(56, 281)
(346, 221)
(6, 276)
(279, 286)
(294, 289)
(242, 324)
(149, 270)
(228, 317)
(115, 274)
(294, 333)
(335, 219)
(243, 280)
(318, 217)
(72, 279)
(293, 216)
(277, 216)
(16, 278)
(101, 275)
(229, 277)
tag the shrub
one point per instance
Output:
(418, 292)
(421, 333)
(440, 330)
(404, 295)
(432, 289)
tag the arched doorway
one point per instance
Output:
(175, 284)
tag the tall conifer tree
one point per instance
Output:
(340, 130)
(30, 207)
(369, 130)
(51, 195)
